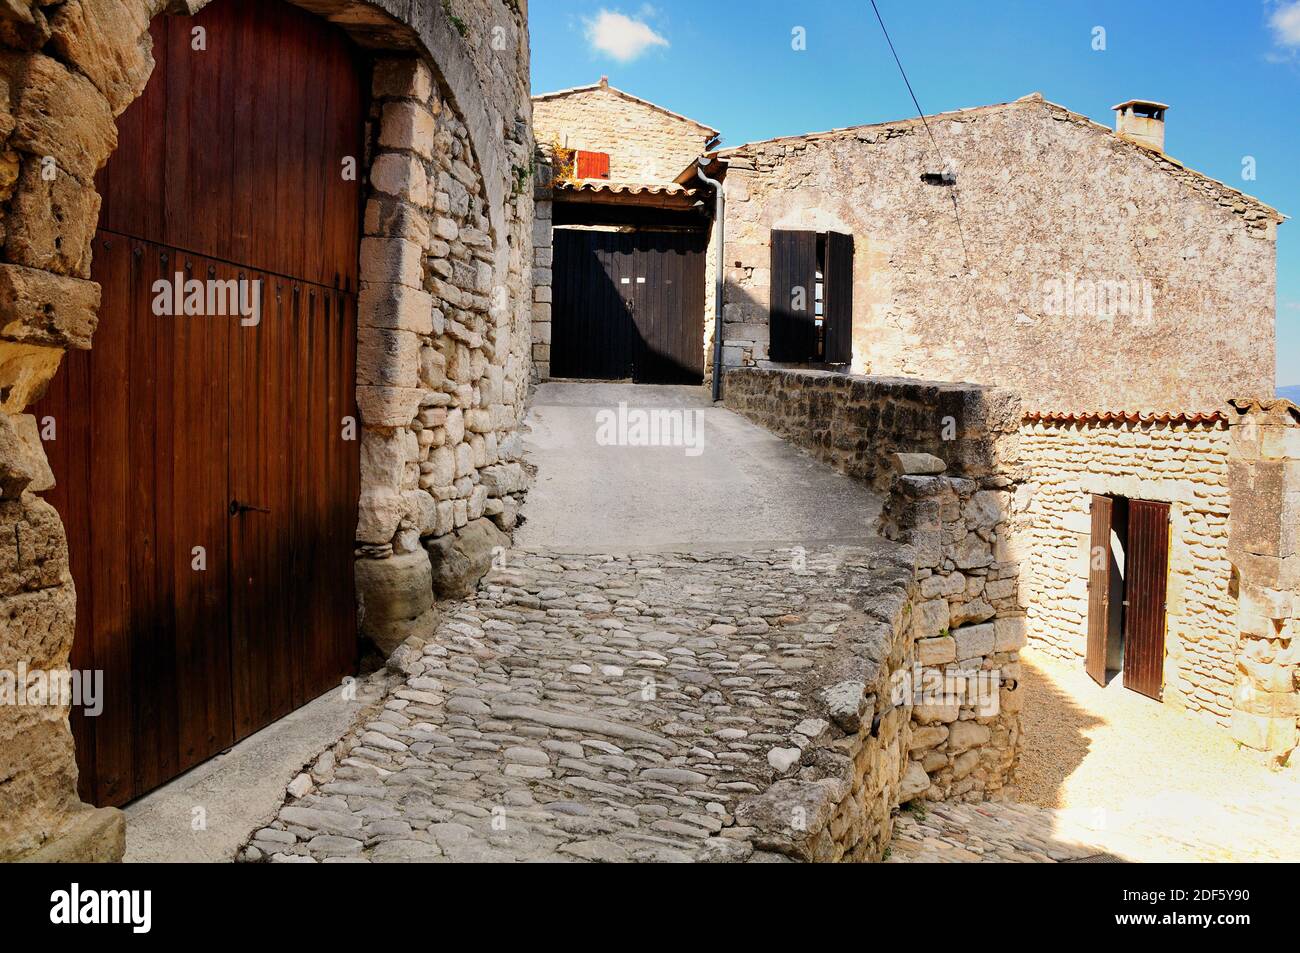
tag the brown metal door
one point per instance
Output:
(209, 619)
(1099, 575)
(1146, 588)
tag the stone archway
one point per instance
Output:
(442, 359)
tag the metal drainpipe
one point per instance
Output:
(721, 215)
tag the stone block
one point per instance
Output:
(917, 464)
(395, 306)
(407, 125)
(936, 651)
(1009, 635)
(395, 599)
(929, 619)
(461, 559)
(58, 113)
(974, 641)
(381, 406)
(51, 222)
(108, 41)
(39, 308)
(388, 358)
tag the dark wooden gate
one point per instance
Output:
(209, 496)
(1146, 587)
(628, 305)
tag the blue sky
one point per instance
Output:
(1230, 69)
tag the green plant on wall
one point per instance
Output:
(456, 21)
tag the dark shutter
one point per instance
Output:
(1099, 560)
(837, 309)
(1146, 586)
(793, 297)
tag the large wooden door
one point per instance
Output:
(1146, 587)
(202, 472)
(628, 305)
(1099, 588)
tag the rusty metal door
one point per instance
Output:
(209, 496)
(1099, 595)
(1146, 588)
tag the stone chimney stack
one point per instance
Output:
(1141, 121)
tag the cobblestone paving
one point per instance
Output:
(588, 707)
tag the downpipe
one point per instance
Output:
(720, 215)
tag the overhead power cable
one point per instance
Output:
(920, 112)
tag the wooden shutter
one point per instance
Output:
(794, 268)
(1146, 585)
(837, 294)
(1099, 559)
(593, 165)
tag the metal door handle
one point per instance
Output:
(239, 509)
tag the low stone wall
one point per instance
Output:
(952, 661)
(857, 423)
(968, 627)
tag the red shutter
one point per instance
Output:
(593, 165)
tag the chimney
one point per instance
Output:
(1141, 121)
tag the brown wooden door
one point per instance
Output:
(1099, 594)
(208, 493)
(1146, 587)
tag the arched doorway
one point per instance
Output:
(206, 472)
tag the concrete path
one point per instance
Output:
(737, 487)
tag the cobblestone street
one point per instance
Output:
(589, 707)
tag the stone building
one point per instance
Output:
(626, 241)
(1034, 245)
(375, 406)
(646, 144)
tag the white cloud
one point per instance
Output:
(1285, 22)
(625, 38)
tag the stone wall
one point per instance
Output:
(1180, 461)
(443, 350)
(645, 143)
(1054, 211)
(1264, 549)
(444, 354)
(947, 455)
(968, 626)
(857, 424)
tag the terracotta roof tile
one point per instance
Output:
(1127, 417)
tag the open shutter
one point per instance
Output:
(1146, 591)
(793, 297)
(1099, 560)
(837, 293)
